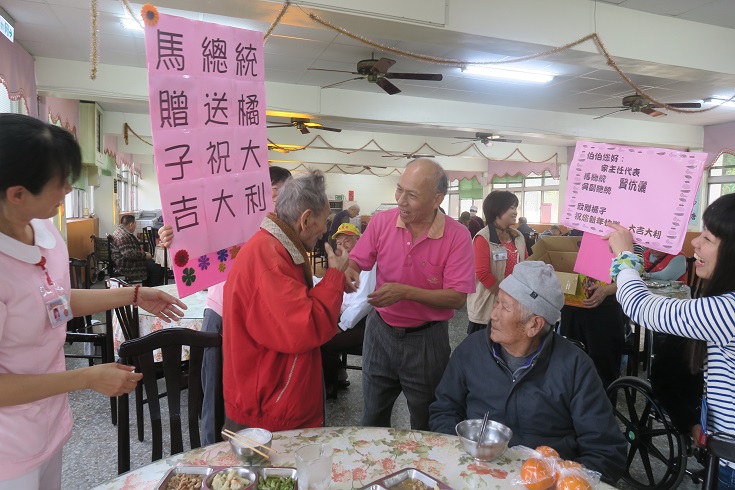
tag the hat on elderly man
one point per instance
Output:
(346, 229)
(535, 285)
(473, 209)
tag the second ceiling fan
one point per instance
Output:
(302, 125)
(638, 103)
(487, 139)
(376, 71)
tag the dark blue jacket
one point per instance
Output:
(556, 399)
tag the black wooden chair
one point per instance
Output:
(88, 331)
(719, 446)
(319, 254)
(139, 353)
(149, 240)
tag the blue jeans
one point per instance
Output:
(725, 478)
(394, 360)
(212, 323)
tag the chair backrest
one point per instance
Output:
(80, 276)
(127, 315)
(719, 446)
(149, 239)
(178, 376)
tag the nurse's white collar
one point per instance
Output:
(31, 254)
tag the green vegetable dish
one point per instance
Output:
(276, 483)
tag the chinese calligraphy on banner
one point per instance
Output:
(206, 87)
(649, 190)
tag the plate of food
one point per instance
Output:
(408, 479)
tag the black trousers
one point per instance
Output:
(602, 331)
(331, 351)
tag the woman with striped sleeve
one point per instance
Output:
(710, 318)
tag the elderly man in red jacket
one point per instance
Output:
(275, 321)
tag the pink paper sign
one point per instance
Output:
(206, 85)
(649, 190)
(594, 258)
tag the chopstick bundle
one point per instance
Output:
(247, 442)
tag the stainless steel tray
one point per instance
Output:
(390, 481)
(206, 472)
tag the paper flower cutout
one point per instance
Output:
(181, 258)
(189, 277)
(149, 14)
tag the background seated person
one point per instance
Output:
(665, 267)
(353, 313)
(531, 379)
(553, 230)
(129, 258)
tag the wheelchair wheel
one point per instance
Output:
(93, 272)
(656, 451)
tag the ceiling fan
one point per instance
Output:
(487, 139)
(411, 156)
(637, 103)
(303, 125)
(376, 71)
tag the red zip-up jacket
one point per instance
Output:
(273, 326)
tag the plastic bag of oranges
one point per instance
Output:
(543, 469)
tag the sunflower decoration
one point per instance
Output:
(149, 14)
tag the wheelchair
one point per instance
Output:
(659, 447)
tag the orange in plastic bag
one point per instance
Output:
(573, 482)
(537, 474)
(547, 451)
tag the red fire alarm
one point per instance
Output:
(350, 195)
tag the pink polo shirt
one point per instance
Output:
(440, 259)
(31, 432)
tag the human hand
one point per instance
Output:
(111, 379)
(388, 294)
(166, 235)
(696, 433)
(337, 260)
(352, 280)
(161, 304)
(620, 240)
(599, 293)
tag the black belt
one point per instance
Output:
(421, 327)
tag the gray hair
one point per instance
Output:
(298, 195)
(442, 181)
(355, 207)
(527, 314)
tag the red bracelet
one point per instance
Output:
(135, 295)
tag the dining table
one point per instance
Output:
(361, 455)
(148, 322)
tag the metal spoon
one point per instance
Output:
(483, 427)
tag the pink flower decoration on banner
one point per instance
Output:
(181, 258)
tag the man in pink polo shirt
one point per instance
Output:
(425, 271)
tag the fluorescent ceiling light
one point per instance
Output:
(504, 73)
(717, 100)
(130, 23)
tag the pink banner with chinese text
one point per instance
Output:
(206, 86)
(649, 190)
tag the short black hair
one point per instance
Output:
(718, 219)
(497, 203)
(33, 152)
(126, 219)
(279, 174)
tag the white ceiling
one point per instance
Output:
(676, 50)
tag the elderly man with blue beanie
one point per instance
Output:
(529, 378)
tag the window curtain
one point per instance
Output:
(17, 73)
(470, 189)
(500, 168)
(61, 111)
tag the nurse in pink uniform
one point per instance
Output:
(36, 162)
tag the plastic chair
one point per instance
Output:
(139, 353)
(719, 446)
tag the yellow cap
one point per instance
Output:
(346, 229)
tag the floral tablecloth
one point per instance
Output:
(361, 455)
(192, 319)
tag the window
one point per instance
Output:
(535, 192)
(127, 190)
(721, 178)
(454, 205)
(10, 106)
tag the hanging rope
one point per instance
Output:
(277, 21)
(95, 47)
(126, 137)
